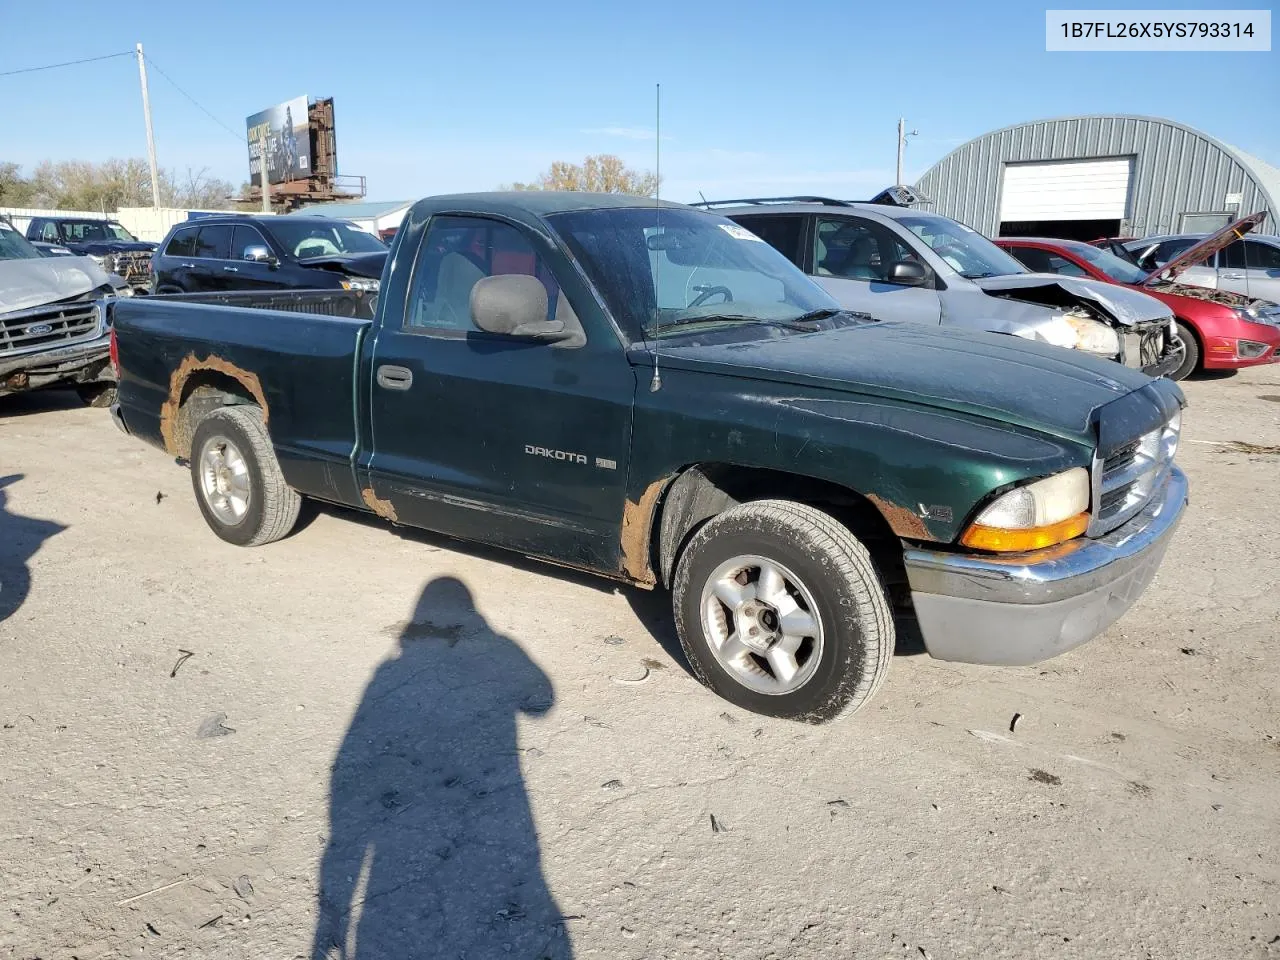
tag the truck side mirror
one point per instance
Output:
(260, 254)
(514, 305)
(909, 273)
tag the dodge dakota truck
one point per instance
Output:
(653, 394)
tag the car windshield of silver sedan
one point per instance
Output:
(14, 246)
(966, 251)
(666, 269)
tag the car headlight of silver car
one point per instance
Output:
(1083, 333)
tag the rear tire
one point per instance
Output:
(1191, 356)
(237, 479)
(780, 610)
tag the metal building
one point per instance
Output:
(1102, 176)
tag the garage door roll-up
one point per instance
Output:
(1074, 190)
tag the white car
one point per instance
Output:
(1250, 265)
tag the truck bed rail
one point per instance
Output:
(356, 304)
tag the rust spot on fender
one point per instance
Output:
(382, 508)
(637, 521)
(903, 521)
(175, 433)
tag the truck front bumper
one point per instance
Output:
(1020, 609)
(59, 363)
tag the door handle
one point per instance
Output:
(394, 378)
(189, 266)
(1231, 276)
(231, 269)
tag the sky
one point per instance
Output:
(758, 98)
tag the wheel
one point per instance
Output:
(237, 480)
(1191, 353)
(780, 610)
(96, 394)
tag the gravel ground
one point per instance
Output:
(208, 751)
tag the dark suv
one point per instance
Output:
(267, 253)
(106, 242)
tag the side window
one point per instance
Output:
(244, 237)
(1033, 258)
(784, 233)
(214, 242)
(1251, 254)
(182, 244)
(50, 233)
(856, 249)
(1064, 267)
(456, 253)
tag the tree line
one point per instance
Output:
(110, 185)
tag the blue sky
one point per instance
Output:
(758, 98)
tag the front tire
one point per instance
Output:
(780, 610)
(1190, 356)
(237, 479)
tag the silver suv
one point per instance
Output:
(898, 263)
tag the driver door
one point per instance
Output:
(497, 438)
(851, 261)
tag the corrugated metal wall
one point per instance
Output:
(1175, 171)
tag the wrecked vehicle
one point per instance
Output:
(1219, 330)
(650, 393)
(1226, 261)
(106, 242)
(53, 321)
(899, 263)
(268, 253)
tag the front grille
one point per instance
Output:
(1128, 476)
(42, 326)
(133, 265)
(1151, 348)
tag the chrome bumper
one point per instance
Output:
(1023, 608)
(57, 356)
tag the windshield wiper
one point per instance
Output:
(723, 318)
(824, 313)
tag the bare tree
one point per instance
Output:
(600, 173)
(108, 186)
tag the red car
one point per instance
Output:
(1221, 330)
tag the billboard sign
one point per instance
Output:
(285, 128)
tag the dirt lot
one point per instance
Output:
(491, 757)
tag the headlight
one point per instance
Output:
(1083, 333)
(1036, 515)
(360, 283)
(99, 260)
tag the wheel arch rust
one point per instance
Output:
(213, 377)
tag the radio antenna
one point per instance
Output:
(656, 383)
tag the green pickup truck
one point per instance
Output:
(653, 394)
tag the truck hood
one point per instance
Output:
(353, 264)
(1206, 248)
(101, 247)
(1001, 378)
(35, 282)
(1050, 290)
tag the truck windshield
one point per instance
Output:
(667, 269)
(305, 238)
(14, 246)
(968, 252)
(87, 231)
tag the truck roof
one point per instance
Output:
(542, 202)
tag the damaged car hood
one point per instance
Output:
(33, 283)
(1206, 248)
(355, 264)
(998, 377)
(1050, 290)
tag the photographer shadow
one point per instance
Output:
(432, 850)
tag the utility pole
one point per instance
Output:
(902, 144)
(262, 168)
(151, 136)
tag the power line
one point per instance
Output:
(69, 63)
(202, 109)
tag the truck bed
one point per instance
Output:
(298, 365)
